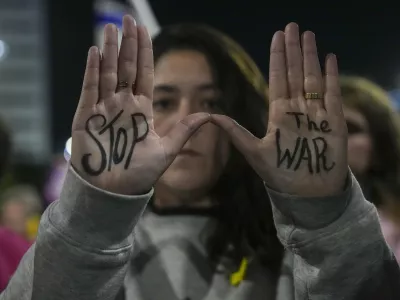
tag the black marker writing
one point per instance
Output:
(297, 117)
(287, 155)
(303, 147)
(118, 139)
(320, 146)
(305, 155)
(323, 126)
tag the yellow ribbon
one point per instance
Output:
(32, 227)
(237, 277)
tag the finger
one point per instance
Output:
(243, 140)
(313, 82)
(145, 76)
(278, 86)
(294, 60)
(90, 86)
(127, 60)
(182, 131)
(109, 62)
(333, 98)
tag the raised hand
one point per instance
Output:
(305, 149)
(114, 145)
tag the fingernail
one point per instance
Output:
(291, 25)
(128, 23)
(93, 50)
(329, 56)
(109, 29)
(129, 18)
(311, 34)
(113, 27)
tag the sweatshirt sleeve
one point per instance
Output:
(83, 246)
(338, 248)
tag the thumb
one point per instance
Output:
(182, 131)
(243, 140)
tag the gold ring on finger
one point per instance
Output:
(314, 96)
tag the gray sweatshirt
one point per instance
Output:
(85, 250)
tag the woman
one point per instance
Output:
(374, 150)
(124, 144)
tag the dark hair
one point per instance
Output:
(5, 148)
(383, 175)
(245, 218)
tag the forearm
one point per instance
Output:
(339, 250)
(83, 246)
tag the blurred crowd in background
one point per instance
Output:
(33, 166)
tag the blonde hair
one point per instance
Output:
(356, 89)
(246, 64)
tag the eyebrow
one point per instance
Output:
(173, 88)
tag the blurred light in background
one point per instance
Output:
(24, 105)
(107, 11)
(112, 11)
(144, 15)
(395, 95)
(3, 49)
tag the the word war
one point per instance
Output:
(311, 151)
(118, 142)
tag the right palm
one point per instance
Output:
(114, 145)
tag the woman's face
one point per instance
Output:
(184, 85)
(359, 141)
(14, 216)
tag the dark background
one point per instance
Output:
(366, 40)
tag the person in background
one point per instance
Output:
(13, 216)
(12, 245)
(12, 248)
(208, 232)
(21, 210)
(374, 150)
(19, 221)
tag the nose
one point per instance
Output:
(187, 107)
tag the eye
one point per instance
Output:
(162, 104)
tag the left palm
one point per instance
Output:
(305, 149)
